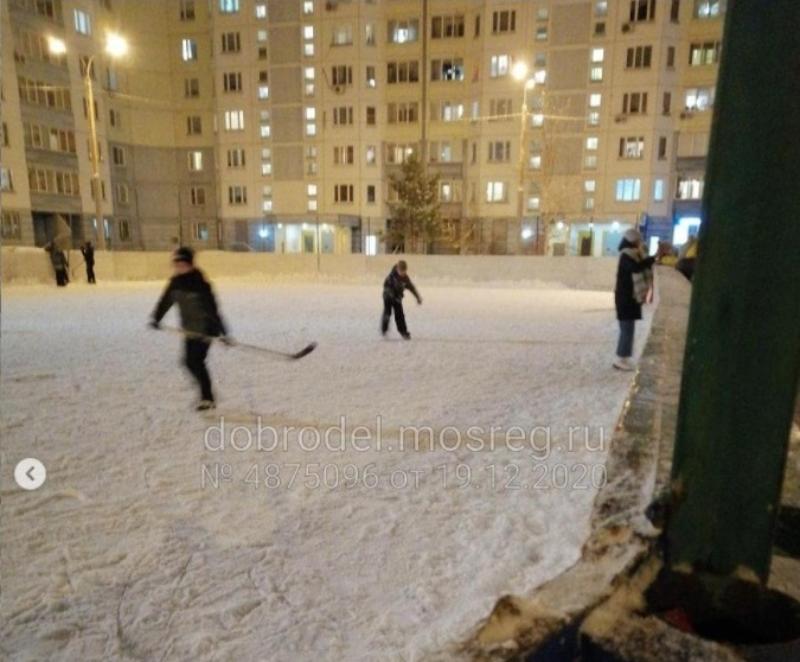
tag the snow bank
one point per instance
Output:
(32, 265)
(129, 552)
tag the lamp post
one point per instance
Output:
(520, 73)
(116, 46)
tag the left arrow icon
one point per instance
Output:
(30, 473)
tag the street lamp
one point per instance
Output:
(520, 73)
(116, 46)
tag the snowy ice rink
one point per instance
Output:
(130, 550)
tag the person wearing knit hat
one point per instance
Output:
(634, 278)
(200, 318)
(396, 283)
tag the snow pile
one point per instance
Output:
(126, 552)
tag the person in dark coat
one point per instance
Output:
(396, 283)
(200, 318)
(634, 279)
(87, 250)
(60, 264)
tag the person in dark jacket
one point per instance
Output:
(634, 279)
(87, 250)
(60, 264)
(396, 283)
(200, 318)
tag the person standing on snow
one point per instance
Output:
(60, 264)
(87, 250)
(200, 318)
(634, 278)
(393, 288)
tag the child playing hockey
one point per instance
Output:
(393, 287)
(200, 318)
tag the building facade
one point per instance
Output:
(276, 125)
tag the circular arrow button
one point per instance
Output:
(30, 473)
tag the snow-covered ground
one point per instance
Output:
(131, 550)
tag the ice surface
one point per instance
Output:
(125, 553)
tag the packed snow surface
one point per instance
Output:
(150, 540)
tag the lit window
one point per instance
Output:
(699, 98)
(598, 54)
(308, 78)
(658, 190)
(708, 8)
(591, 143)
(595, 100)
(83, 22)
(311, 121)
(195, 161)
(308, 43)
(496, 192)
(188, 50)
(369, 34)
(628, 190)
(690, 189)
(261, 10)
(590, 185)
(499, 65)
(308, 7)
(631, 148)
(264, 124)
(228, 6)
(404, 31)
(342, 35)
(234, 120)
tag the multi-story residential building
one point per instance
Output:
(276, 126)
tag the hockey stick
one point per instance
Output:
(253, 348)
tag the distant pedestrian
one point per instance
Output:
(634, 280)
(60, 264)
(200, 318)
(393, 288)
(87, 250)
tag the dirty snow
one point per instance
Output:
(125, 552)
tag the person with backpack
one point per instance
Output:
(200, 319)
(634, 281)
(396, 283)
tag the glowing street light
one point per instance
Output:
(116, 47)
(519, 71)
(56, 46)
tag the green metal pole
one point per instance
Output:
(742, 361)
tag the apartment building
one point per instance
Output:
(276, 125)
